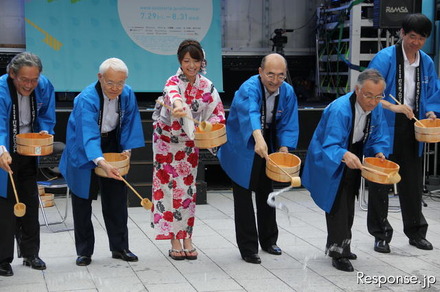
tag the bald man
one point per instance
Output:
(263, 118)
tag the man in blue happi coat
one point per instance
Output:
(27, 105)
(105, 118)
(263, 118)
(411, 78)
(351, 126)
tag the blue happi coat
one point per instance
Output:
(83, 140)
(385, 63)
(237, 155)
(323, 168)
(44, 121)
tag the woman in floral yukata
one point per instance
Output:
(176, 158)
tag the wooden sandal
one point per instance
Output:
(188, 254)
(172, 253)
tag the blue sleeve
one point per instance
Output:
(88, 136)
(288, 125)
(132, 135)
(45, 96)
(379, 137)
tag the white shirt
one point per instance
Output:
(110, 119)
(110, 114)
(410, 79)
(24, 113)
(270, 103)
(359, 123)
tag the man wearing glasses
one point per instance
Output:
(351, 126)
(105, 118)
(27, 105)
(411, 78)
(263, 118)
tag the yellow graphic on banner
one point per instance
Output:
(50, 40)
(71, 1)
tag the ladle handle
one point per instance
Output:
(273, 162)
(376, 171)
(134, 191)
(13, 186)
(398, 102)
(373, 170)
(170, 109)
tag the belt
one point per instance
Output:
(105, 134)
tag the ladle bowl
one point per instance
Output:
(146, 203)
(19, 209)
(205, 126)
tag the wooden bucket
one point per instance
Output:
(210, 139)
(287, 161)
(34, 144)
(118, 160)
(385, 166)
(41, 190)
(47, 200)
(430, 133)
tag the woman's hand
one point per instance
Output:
(178, 109)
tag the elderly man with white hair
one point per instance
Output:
(105, 118)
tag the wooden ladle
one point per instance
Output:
(295, 181)
(145, 202)
(19, 208)
(417, 121)
(392, 178)
(203, 125)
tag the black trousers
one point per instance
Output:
(340, 219)
(114, 209)
(248, 233)
(409, 188)
(26, 229)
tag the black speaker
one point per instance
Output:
(389, 14)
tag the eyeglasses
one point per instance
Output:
(114, 84)
(271, 76)
(369, 96)
(26, 80)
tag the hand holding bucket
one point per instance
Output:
(19, 208)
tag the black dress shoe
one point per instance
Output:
(125, 255)
(6, 269)
(34, 262)
(352, 256)
(421, 243)
(273, 249)
(83, 261)
(252, 258)
(342, 264)
(382, 246)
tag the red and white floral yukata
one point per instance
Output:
(175, 158)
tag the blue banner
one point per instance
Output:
(73, 37)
